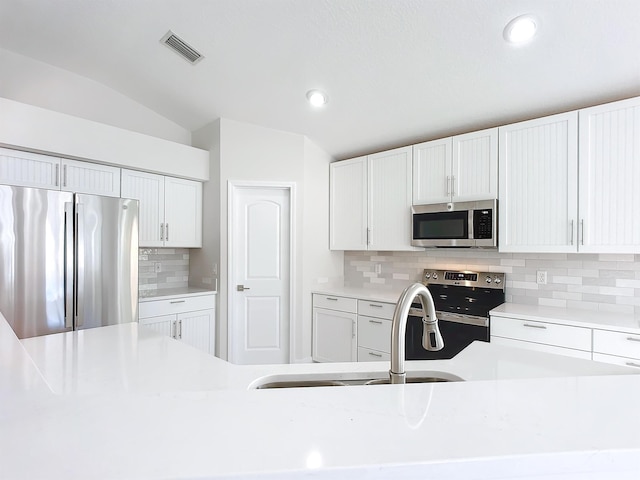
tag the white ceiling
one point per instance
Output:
(396, 71)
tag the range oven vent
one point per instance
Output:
(181, 47)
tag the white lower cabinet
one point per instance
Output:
(540, 347)
(374, 330)
(620, 348)
(616, 347)
(188, 319)
(565, 336)
(348, 329)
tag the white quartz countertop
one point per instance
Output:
(389, 296)
(171, 293)
(620, 322)
(117, 403)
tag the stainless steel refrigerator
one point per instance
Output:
(67, 261)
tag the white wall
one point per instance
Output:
(36, 83)
(26, 127)
(251, 153)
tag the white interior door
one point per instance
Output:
(260, 226)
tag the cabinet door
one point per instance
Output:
(390, 200)
(609, 163)
(148, 188)
(348, 204)
(91, 178)
(432, 172)
(29, 169)
(538, 185)
(183, 213)
(194, 328)
(334, 336)
(474, 169)
(163, 324)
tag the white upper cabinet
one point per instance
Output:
(390, 200)
(474, 170)
(43, 171)
(538, 185)
(370, 201)
(348, 204)
(148, 188)
(432, 172)
(456, 169)
(182, 213)
(25, 169)
(170, 209)
(609, 165)
(91, 178)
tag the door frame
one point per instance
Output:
(233, 187)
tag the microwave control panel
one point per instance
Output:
(483, 223)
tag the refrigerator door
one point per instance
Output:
(106, 291)
(32, 260)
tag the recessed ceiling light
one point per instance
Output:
(521, 29)
(317, 98)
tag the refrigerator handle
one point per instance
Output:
(68, 265)
(79, 267)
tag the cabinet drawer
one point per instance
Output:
(624, 361)
(578, 338)
(539, 347)
(155, 308)
(374, 333)
(368, 355)
(376, 309)
(333, 302)
(616, 343)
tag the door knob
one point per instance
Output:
(242, 288)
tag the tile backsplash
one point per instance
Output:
(173, 265)
(608, 282)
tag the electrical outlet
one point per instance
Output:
(157, 266)
(541, 277)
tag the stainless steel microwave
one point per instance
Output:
(463, 224)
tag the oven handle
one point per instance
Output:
(454, 317)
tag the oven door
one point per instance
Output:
(457, 336)
(440, 226)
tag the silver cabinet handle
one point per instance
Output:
(353, 329)
(375, 305)
(166, 231)
(177, 301)
(534, 326)
(571, 232)
(375, 354)
(162, 232)
(179, 329)
(453, 185)
(64, 175)
(633, 364)
(368, 236)
(57, 175)
(331, 298)
(582, 232)
(448, 184)
(242, 288)
(633, 339)
(377, 322)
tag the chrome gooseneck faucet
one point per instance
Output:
(431, 337)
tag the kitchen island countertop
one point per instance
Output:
(106, 403)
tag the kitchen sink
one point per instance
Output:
(345, 380)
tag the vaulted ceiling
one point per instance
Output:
(396, 71)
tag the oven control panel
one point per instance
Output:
(464, 278)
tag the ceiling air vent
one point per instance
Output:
(182, 48)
